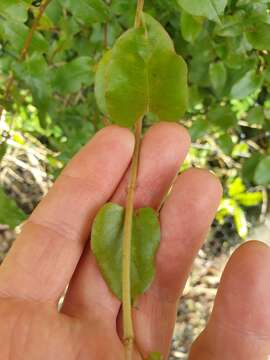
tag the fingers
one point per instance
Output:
(163, 149)
(239, 327)
(45, 255)
(185, 220)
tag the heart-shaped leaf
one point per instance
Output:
(106, 244)
(142, 74)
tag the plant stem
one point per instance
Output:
(127, 237)
(140, 5)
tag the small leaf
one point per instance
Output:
(100, 82)
(198, 129)
(250, 198)
(210, 9)
(10, 214)
(256, 116)
(15, 33)
(249, 83)
(225, 143)
(218, 76)
(250, 165)
(240, 222)
(106, 243)
(259, 36)
(88, 11)
(70, 77)
(14, 9)
(191, 26)
(222, 117)
(262, 172)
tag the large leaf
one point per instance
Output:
(144, 74)
(262, 172)
(210, 9)
(10, 214)
(106, 243)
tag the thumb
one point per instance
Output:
(239, 327)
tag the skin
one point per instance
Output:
(53, 250)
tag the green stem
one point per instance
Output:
(127, 237)
(140, 5)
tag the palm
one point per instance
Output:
(49, 254)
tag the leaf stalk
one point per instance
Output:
(127, 237)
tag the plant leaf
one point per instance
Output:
(106, 243)
(191, 26)
(144, 74)
(210, 9)
(240, 222)
(10, 214)
(262, 172)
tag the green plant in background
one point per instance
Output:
(237, 199)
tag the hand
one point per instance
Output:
(53, 250)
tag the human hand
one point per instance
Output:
(53, 250)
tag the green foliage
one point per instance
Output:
(224, 43)
(142, 74)
(106, 242)
(10, 214)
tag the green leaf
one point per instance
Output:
(106, 243)
(88, 11)
(248, 84)
(100, 82)
(10, 214)
(70, 77)
(250, 198)
(145, 75)
(262, 172)
(3, 150)
(236, 187)
(218, 76)
(256, 116)
(259, 36)
(198, 129)
(222, 117)
(14, 9)
(191, 26)
(210, 9)
(16, 33)
(34, 73)
(250, 165)
(155, 356)
(226, 144)
(240, 222)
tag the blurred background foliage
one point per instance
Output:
(48, 57)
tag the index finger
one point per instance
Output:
(45, 255)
